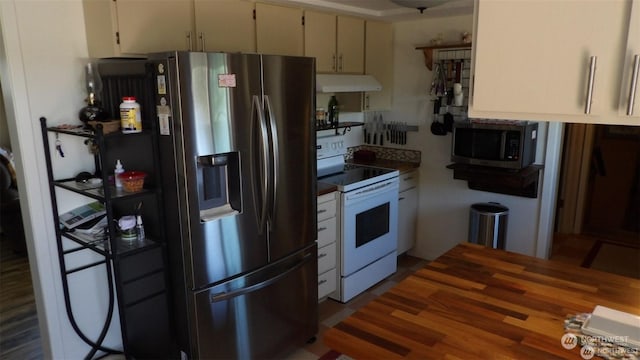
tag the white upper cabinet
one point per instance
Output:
(146, 26)
(544, 60)
(350, 45)
(379, 63)
(320, 40)
(225, 25)
(279, 30)
(629, 106)
(337, 42)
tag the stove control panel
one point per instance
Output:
(330, 147)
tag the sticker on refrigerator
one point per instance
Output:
(227, 80)
(162, 85)
(163, 124)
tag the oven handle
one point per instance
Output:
(372, 190)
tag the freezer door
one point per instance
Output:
(221, 148)
(262, 315)
(289, 98)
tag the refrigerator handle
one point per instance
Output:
(275, 154)
(229, 295)
(257, 116)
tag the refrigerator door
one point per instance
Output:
(261, 315)
(220, 145)
(289, 99)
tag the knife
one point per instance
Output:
(381, 129)
(364, 130)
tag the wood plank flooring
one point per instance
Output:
(19, 331)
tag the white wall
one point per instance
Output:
(42, 54)
(444, 202)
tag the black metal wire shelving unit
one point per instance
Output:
(136, 277)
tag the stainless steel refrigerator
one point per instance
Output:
(237, 146)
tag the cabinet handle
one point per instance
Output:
(322, 229)
(634, 84)
(322, 281)
(408, 178)
(322, 211)
(334, 64)
(189, 42)
(592, 75)
(320, 256)
(366, 99)
(340, 63)
(201, 36)
(400, 199)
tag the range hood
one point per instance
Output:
(334, 83)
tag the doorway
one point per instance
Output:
(598, 208)
(20, 332)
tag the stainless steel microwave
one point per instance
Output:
(510, 145)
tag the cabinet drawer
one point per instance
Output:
(408, 180)
(326, 283)
(327, 232)
(326, 197)
(326, 258)
(326, 210)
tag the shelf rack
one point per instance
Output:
(135, 271)
(428, 51)
(346, 126)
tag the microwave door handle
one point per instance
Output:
(257, 117)
(274, 153)
(503, 146)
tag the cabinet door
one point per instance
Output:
(279, 30)
(101, 26)
(379, 63)
(146, 26)
(225, 25)
(350, 45)
(630, 65)
(532, 58)
(320, 40)
(407, 215)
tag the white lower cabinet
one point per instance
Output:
(327, 235)
(407, 210)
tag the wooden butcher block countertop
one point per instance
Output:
(475, 302)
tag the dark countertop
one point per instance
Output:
(402, 166)
(324, 188)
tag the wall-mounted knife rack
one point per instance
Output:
(376, 131)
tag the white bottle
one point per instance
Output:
(130, 118)
(119, 170)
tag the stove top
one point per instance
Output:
(333, 170)
(353, 176)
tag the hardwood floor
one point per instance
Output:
(20, 337)
(19, 331)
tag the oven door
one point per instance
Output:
(369, 224)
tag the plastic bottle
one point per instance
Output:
(140, 227)
(130, 118)
(119, 170)
(333, 111)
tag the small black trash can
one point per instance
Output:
(488, 224)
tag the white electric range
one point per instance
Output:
(368, 219)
